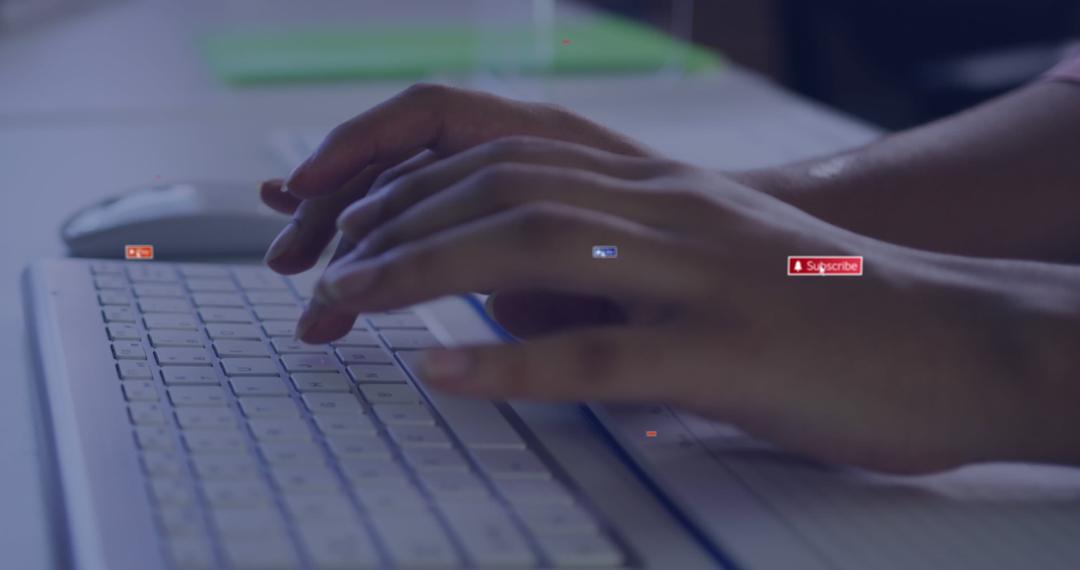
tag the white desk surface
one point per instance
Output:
(115, 96)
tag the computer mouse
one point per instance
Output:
(182, 220)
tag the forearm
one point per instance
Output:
(1001, 180)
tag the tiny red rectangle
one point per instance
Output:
(138, 252)
(825, 265)
(650, 434)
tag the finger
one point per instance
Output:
(442, 119)
(532, 313)
(605, 364)
(422, 159)
(546, 246)
(332, 324)
(298, 247)
(272, 195)
(490, 158)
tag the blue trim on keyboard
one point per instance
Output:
(714, 550)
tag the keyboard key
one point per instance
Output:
(173, 375)
(110, 282)
(424, 458)
(191, 553)
(204, 299)
(225, 467)
(406, 339)
(419, 436)
(271, 298)
(308, 363)
(280, 328)
(120, 331)
(281, 452)
(276, 312)
(220, 441)
(206, 418)
(113, 297)
(170, 491)
(172, 355)
(211, 285)
(332, 403)
(415, 539)
(266, 406)
(175, 338)
(534, 491)
(510, 463)
(198, 396)
(128, 350)
(133, 369)
(580, 550)
(140, 391)
(363, 355)
(180, 522)
(357, 338)
(158, 290)
(491, 539)
(202, 270)
(265, 553)
(233, 348)
(556, 518)
(259, 279)
(249, 367)
(396, 321)
(249, 493)
(320, 382)
(390, 394)
(154, 437)
(283, 428)
(146, 413)
(163, 464)
(333, 508)
(404, 414)
(339, 546)
(232, 331)
(376, 373)
(164, 305)
(157, 272)
(246, 522)
(284, 345)
(478, 424)
(295, 479)
(359, 446)
(450, 484)
(118, 314)
(258, 386)
(367, 471)
(345, 424)
(106, 268)
(224, 315)
(385, 498)
(170, 321)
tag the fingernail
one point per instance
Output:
(308, 319)
(446, 365)
(283, 242)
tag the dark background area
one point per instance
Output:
(895, 63)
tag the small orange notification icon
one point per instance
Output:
(138, 252)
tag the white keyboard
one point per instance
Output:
(260, 451)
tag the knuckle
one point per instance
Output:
(509, 148)
(425, 91)
(537, 227)
(495, 180)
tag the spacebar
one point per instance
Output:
(477, 423)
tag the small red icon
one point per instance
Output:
(825, 265)
(566, 41)
(138, 252)
(650, 434)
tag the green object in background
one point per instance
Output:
(595, 45)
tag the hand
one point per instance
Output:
(899, 370)
(416, 128)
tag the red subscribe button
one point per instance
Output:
(825, 265)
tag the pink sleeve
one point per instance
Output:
(1067, 70)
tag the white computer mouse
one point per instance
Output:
(188, 220)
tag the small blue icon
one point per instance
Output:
(605, 252)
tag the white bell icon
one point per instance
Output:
(821, 269)
(798, 266)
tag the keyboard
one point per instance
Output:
(260, 451)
